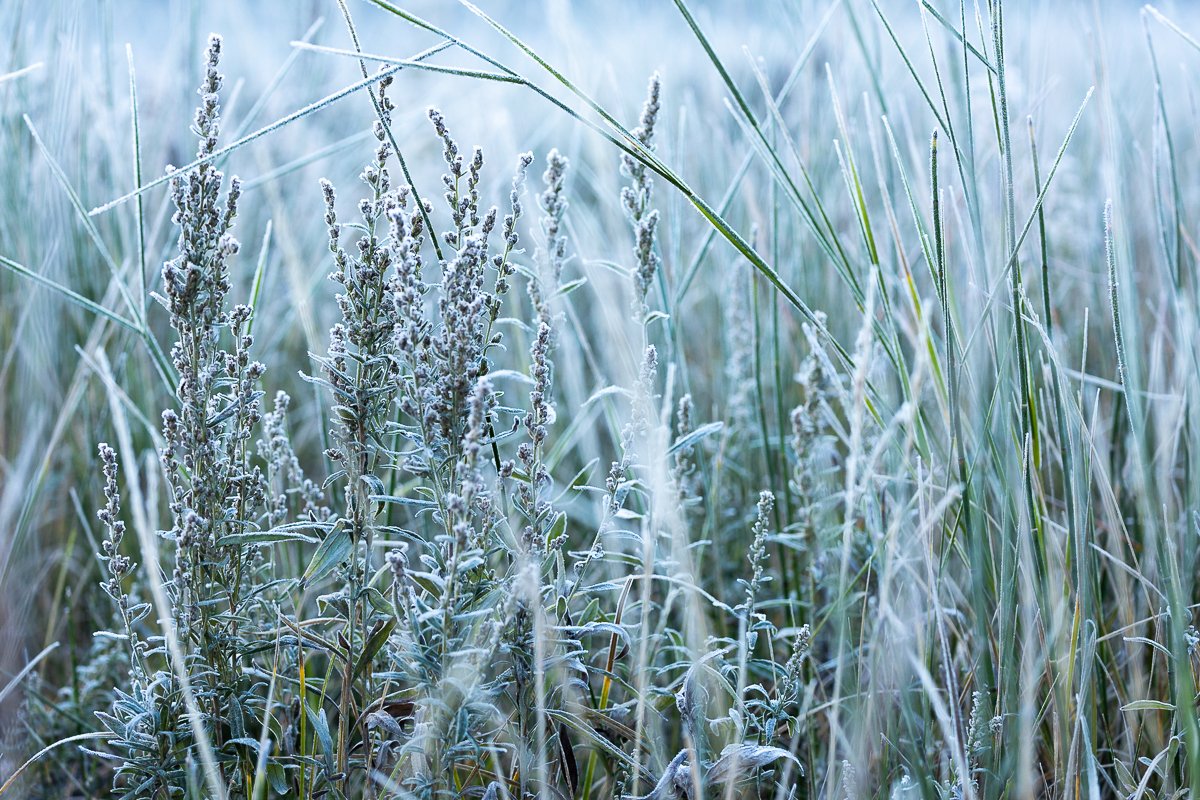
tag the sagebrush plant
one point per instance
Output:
(581, 494)
(460, 657)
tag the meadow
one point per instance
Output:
(693, 399)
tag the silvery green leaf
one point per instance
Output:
(384, 721)
(695, 436)
(402, 501)
(335, 549)
(374, 484)
(273, 536)
(738, 759)
(668, 784)
(321, 725)
(570, 286)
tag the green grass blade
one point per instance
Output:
(71, 295)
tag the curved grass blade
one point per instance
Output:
(301, 113)
(71, 295)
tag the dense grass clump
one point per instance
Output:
(818, 423)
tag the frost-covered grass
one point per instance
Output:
(786, 399)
